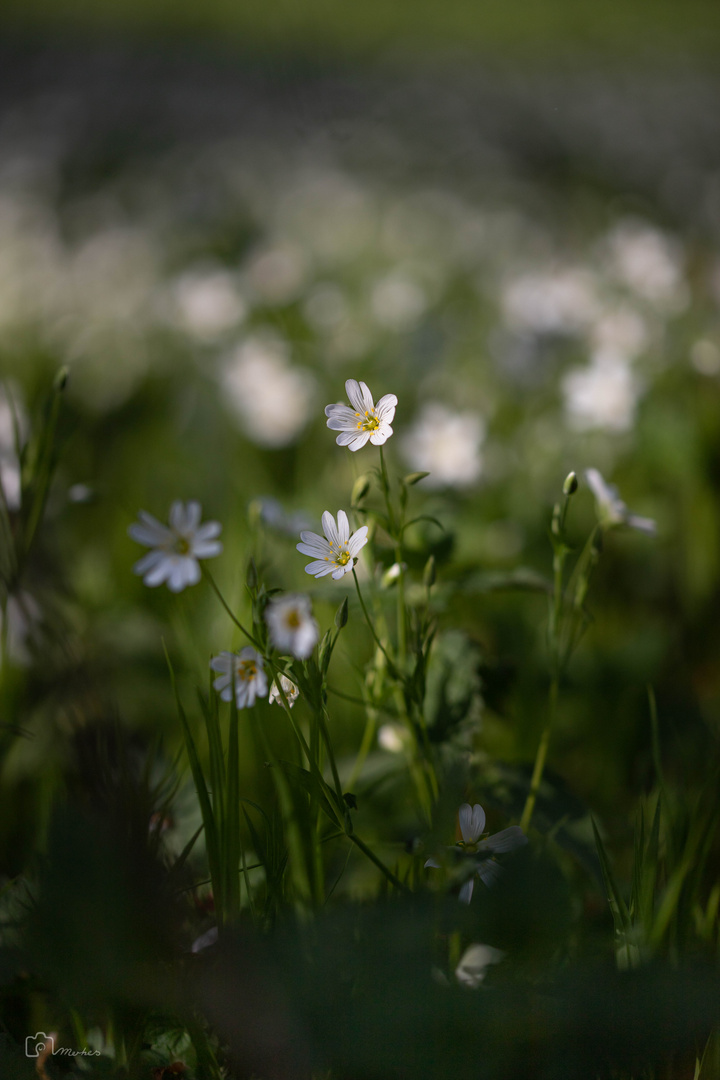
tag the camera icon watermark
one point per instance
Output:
(38, 1044)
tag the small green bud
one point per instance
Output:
(341, 615)
(571, 484)
(360, 490)
(60, 381)
(557, 515)
(414, 478)
(429, 573)
(325, 651)
(251, 577)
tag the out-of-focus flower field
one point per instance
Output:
(531, 264)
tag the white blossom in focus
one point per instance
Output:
(292, 626)
(364, 420)
(603, 395)
(474, 962)
(245, 671)
(271, 397)
(289, 689)
(175, 548)
(481, 852)
(335, 553)
(611, 510)
(446, 444)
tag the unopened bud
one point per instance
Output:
(360, 489)
(341, 615)
(571, 484)
(414, 478)
(429, 572)
(392, 574)
(251, 577)
(60, 381)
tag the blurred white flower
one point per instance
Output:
(397, 302)
(649, 262)
(325, 307)
(482, 852)
(13, 425)
(474, 963)
(602, 395)
(611, 510)
(364, 420)
(292, 626)
(446, 444)
(393, 738)
(24, 619)
(177, 548)
(245, 671)
(335, 553)
(277, 274)
(272, 398)
(289, 689)
(621, 330)
(205, 940)
(207, 303)
(705, 357)
(555, 302)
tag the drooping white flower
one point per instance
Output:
(474, 963)
(482, 852)
(177, 547)
(245, 671)
(611, 510)
(335, 553)
(446, 444)
(364, 420)
(292, 626)
(289, 689)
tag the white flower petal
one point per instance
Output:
(176, 580)
(368, 402)
(359, 440)
(193, 513)
(224, 662)
(385, 408)
(206, 549)
(355, 397)
(465, 819)
(330, 528)
(341, 571)
(177, 517)
(505, 840)
(159, 573)
(343, 527)
(466, 891)
(208, 531)
(478, 821)
(352, 436)
(314, 550)
(358, 540)
(319, 569)
(432, 863)
(148, 561)
(489, 872)
(380, 436)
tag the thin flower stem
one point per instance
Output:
(540, 757)
(378, 642)
(378, 862)
(222, 600)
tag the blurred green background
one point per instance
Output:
(509, 216)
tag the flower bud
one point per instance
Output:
(414, 478)
(60, 381)
(392, 574)
(360, 490)
(341, 615)
(571, 484)
(429, 572)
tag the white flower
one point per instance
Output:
(245, 669)
(177, 548)
(446, 444)
(336, 554)
(611, 510)
(364, 420)
(482, 852)
(271, 396)
(474, 963)
(602, 395)
(292, 626)
(289, 689)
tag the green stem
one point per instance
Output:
(380, 865)
(540, 757)
(378, 642)
(234, 618)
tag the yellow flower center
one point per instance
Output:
(370, 423)
(182, 545)
(247, 670)
(342, 558)
(468, 846)
(292, 619)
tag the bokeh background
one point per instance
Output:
(509, 217)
